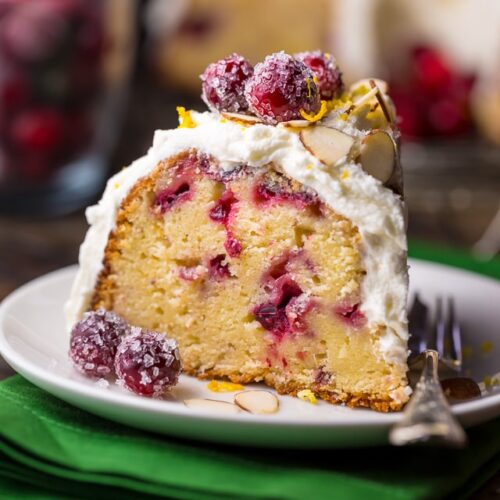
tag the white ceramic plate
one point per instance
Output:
(33, 341)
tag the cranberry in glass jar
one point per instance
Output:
(63, 69)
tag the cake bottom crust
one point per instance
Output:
(381, 403)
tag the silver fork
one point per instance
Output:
(427, 417)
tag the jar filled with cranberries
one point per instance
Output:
(64, 65)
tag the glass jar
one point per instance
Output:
(64, 67)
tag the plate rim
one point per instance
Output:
(35, 374)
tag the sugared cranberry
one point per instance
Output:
(218, 268)
(223, 83)
(94, 341)
(351, 314)
(280, 87)
(326, 71)
(32, 32)
(177, 192)
(222, 208)
(147, 363)
(38, 130)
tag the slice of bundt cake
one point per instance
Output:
(271, 250)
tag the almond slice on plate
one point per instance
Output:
(328, 144)
(211, 405)
(377, 155)
(258, 402)
(239, 117)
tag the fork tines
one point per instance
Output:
(444, 335)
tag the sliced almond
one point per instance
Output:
(328, 144)
(239, 117)
(259, 402)
(365, 84)
(296, 123)
(377, 155)
(211, 405)
(369, 97)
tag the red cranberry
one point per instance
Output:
(267, 315)
(32, 32)
(14, 92)
(351, 314)
(432, 73)
(222, 208)
(274, 314)
(280, 87)
(38, 130)
(224, 82)
(94, 341)
(218, 268)
(266, 192)
(34, 167)
(177, 192)
(448, 117)
(233, 246)
(326, 71)
(147, 363)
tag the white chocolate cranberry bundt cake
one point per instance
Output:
(269, 243)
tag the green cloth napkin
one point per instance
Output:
(49, 449)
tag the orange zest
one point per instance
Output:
(314, 118)
(185, 118)
(218, 386)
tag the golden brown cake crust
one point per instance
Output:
(107, 286)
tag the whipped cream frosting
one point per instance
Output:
(377, 212)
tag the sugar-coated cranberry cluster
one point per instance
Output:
(277, 89)
(104, 345)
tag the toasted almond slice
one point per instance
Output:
(365, 83)
(377, 155)
(369, 97)
(328, 144)
(239, 117)
(211, 405)
(296, 123)
(259, 402)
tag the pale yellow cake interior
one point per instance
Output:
(212, 319)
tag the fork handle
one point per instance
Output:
(427, 417)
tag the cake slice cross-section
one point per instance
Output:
(270, 252)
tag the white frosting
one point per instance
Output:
(373, 208)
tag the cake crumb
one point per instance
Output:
(308, 396)
(219, 386)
